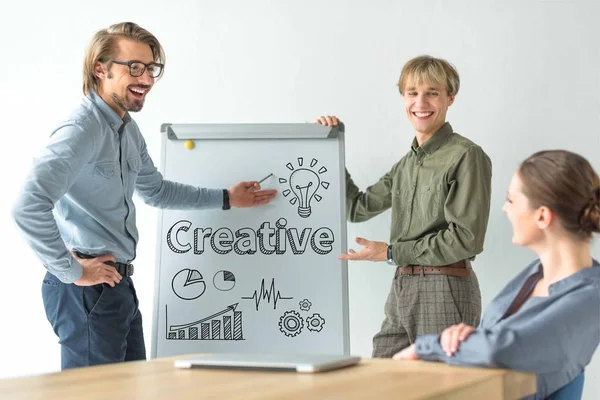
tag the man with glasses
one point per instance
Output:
(137, 68)
(76, 208)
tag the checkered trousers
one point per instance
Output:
(426, 304)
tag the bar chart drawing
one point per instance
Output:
(223, 325)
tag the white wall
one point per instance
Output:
(530, 81)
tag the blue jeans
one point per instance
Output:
(95, 324)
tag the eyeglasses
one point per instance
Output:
(137, 68)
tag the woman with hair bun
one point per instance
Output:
(547, 319)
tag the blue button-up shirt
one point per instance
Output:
(78, 195)
(554, 336)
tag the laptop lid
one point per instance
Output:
(274, 362)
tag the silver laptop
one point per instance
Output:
(274, 362)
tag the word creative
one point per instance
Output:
(267, 239)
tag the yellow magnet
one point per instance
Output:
(189, 144)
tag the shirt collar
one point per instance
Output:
(435, 141)
(585, 275)
(108, 113)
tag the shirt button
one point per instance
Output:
(112, 173)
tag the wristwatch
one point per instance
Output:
(226, 205)
(390, 256)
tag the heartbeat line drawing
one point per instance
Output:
(266, 294)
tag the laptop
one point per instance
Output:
(305, 363)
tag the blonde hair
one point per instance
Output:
(432, 70)
(102, 47)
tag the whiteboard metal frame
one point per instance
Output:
(256, 131)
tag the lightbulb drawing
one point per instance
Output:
(304, 184)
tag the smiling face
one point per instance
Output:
(527, 222)
(426, 105)
(121, 91)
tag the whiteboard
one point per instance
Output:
(265, 279)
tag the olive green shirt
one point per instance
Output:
(440, 198)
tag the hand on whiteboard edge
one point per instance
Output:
(372, 251)
(329, 120)
(248, 194)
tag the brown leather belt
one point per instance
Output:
(456, 269)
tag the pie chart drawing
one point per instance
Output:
(224, 280)
(188, 284)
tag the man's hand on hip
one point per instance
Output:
(95, 271)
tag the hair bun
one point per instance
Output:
(590, 215)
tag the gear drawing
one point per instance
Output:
(305, 305)
(315, 323)
(290, 323)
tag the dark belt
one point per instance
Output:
(122, 268)
(456, 269)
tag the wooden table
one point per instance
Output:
(372, 379)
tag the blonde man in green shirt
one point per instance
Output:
(439, 193)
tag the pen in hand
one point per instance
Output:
(257, 184)
(265, 178)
